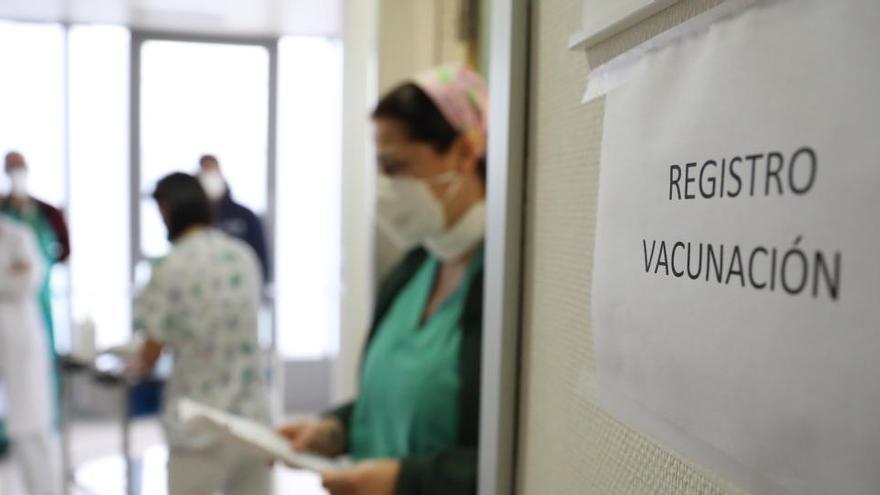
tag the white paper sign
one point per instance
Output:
(736, 291)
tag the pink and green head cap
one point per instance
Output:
(462, 97)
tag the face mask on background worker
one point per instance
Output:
(213, 183)
(18, 183)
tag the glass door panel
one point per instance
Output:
(202, 98)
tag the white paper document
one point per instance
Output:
(736, 290)
(253, 435)
(618, 70)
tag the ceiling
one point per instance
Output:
(219, 17)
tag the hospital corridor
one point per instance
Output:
(439, 247)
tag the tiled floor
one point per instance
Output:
(101, 470)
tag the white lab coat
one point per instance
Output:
(24, 357)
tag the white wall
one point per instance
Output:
(360, 31)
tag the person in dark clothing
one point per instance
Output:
(231, 217)
(414, 427)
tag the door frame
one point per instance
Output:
(138, 38)
(504, 273)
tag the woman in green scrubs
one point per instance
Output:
(413, 429)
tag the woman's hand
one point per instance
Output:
(324, 436)
(142, 364)
(365, 478)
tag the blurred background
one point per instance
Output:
(104, 97)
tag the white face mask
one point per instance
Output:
(410, 213)
(18, 186)
(465, 235)
(213, 184)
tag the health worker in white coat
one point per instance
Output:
(24, 362)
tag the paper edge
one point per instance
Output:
(617, 71)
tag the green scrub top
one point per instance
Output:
(408, 402)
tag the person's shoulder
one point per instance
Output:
(237, 248)
(187, 251)
(172, 262)
(242, 211)
(227, 241)
(231, 204)
(243, 256)
(46, 207)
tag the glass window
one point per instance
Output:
(32, 96)
(199, 98)
(309, 197)
(99, 180)
(32, 104)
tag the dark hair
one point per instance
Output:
(184, 201)
(208, 158)
(421, 119)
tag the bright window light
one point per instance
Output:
(199, 98)
(99, 180)
(32, 122)
(308, 190)
(32, 104)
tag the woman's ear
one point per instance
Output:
(466, 155)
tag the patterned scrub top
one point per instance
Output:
(202, 303)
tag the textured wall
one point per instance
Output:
(407, 39)
(568, 445)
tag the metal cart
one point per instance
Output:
(113, 377)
